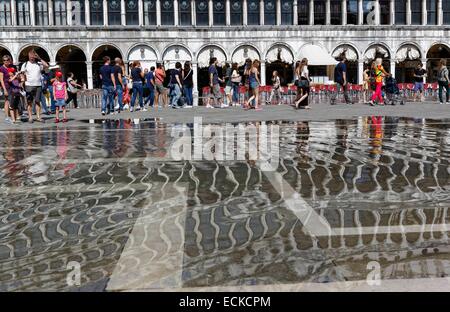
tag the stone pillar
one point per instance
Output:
(50, 12)
(263, 72)
(392, 12)
(195, 80)
(158, 13)
(87, 12)
(123, 13)
(141, 12)
(32, 13)
(105, 12)
(193, 16)
(424, 12)
(261, 12)
(13, 13)
(278, 12)
(210, 13)
(311, 12)
(69, 13)
(360, 71)
(408, 12)
(393, 64)
(440, 13)
(244, 13)
(175, 13)
(344, 12)
(90, 75)
(228, 13)
(295, 12)
(328, 12)
(377, 13)
(425, 63)
(360, 12)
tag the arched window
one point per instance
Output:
(320, 12)
(336, 12)
(400, 12)
(23, 12)
(236, 12)
(114, 12)
(149, 12)
(385, 9)
(253, 12)
(303, 12)
(167, 13)
(369, 12)
(78, 13)
(446, 9)
(202, 12)
(185, 13)
(352, 12)
(416, 12)
(96, 9)
(270, 12)
(431, 12)
(41, 12)
(60, 12)
(132, 12)
(219, 17)
(5, 13)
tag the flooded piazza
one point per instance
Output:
(105, 200)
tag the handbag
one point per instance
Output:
(303, 83)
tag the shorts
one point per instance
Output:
(34, 94)
(14, 101)
(160, 88)
(418, 86)
(60, 103)
(215, 92)
(254, 85)
(8, 98)
(228, 90)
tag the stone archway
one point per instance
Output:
(97, 60)
(434, 55)
(72, 59)
(378, 51)
(407, 57)
(203, 59)
(144, 54)
(5, 51)
(280, 58)
(351, 54)
(23, 55)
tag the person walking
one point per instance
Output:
(150, 83)
(175, 85)
(276, 89)
(60, 96)
(254, 84)
(160, 76)
(4, 82)
(108, 86)
(340, 78)
(443, 80)
(118, 71)
(188, 84)
(137, 74)
(235, 83)
(366, 84)
(379, 73)
(72, 90)
(303, 85)
(214, 84)
(419, 75)
(33, 87)
(228, 85)
(45, 87)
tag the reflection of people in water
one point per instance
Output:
(62, 148)
(303, 133)
(376, 136)
(13, 156)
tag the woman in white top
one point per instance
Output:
(301, 102)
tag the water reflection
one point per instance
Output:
(75, 194)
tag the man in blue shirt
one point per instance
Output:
(108, 86)
(340, 77)
(150, 81)
(214, 83)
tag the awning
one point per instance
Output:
(176, 54)
(349, 52)
(407, 53)
(316, 55)
(243, 53)
(280, 53)
(205, 56)
(372, 52)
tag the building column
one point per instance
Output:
(278, 12)
(105, 12)
(175, 13)
(360, 71)
(228, 13)
(261, 12)
(311, 12)
(87, 11)
(360, 12)
(392, 12)
(13, 13)
(393, 64)
(32, 13)
(210, 13)
(440, 13)
(377, 13)
(424, 12)
(408, 12)
(344, 12)
(263, 72)
(158, 13)
(50, 12)
(195, 80)
(244, 13)
(295, 12)
(141, 12)
(193, 16)
(328, 12)
(123, 13)
(90, 75)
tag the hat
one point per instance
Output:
(58, 74)
(11, 70)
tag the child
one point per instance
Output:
(15, 88)
(60, 96)
(276, 91)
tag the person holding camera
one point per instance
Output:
(33, 86)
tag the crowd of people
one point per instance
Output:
(28, 89)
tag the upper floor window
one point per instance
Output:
(202, 12)
(287, 12)
(236, 12)
(149, 12)
(253, 12)
(416, 12)
(185, 13)
(303, 12)
(23, 12)
(270, 12)
(78, 12)
(219, 17)
(5, 13)
(132, 12)
(400, 12)
(114, 12)
(320, 12)
(167, 13)
(352, 12)
(336, 12)
(431, 12)
(385, 9)
(41, 12)
(96, 9)
(369, 12)
(446, 9)
(60, 12)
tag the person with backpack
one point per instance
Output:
(150, 83)
(276, 89)
(443, 80)
(340, 78)
(44, 83)
(379, 73)
(175, 85)
(72, 90)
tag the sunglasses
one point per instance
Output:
(6, 60)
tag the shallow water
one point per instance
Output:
(108, 197)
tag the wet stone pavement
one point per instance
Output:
(106, 198)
